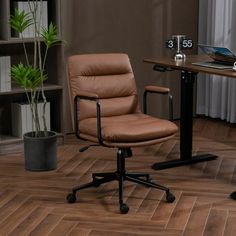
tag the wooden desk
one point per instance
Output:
(169, 63)
(188, 77)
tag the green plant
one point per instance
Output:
(31, 75)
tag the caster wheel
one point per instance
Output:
(170, 197)
(124, 208)
(71, 198)
(233, 195)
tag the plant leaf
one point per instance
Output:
(27, 77)
(20, 20)
(50, 36)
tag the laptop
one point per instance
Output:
(222, 57)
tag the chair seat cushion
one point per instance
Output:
(136, 127)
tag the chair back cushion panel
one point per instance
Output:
(108, 86)
(109, 107)
(110, 76)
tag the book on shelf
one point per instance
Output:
(22, 121)
(5, 73)
(41, 14)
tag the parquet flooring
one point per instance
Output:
(33, 203)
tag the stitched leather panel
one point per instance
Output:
(99, 64)
(108, 86)
(129, 128)
(109, 107)
(127, 144)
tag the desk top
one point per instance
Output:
(188, 66)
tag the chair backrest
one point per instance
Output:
(110, 76)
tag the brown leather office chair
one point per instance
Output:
(106, 112)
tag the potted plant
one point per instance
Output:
(39, 144)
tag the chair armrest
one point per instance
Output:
(88, 96)
(157, 89)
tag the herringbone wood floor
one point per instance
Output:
(33, 203)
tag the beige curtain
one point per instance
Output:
(217, 27)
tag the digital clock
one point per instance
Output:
(185, 44)
(179, 42)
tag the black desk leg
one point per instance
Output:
(186, 110)
(186, 122)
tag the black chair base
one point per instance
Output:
(120, 175)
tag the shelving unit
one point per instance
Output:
(12, 46)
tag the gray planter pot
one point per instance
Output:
(40, 152)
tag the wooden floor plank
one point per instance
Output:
(17, 217)
(152, 200)
(34, 203)
(216, 223)
(112, 233)
(63, 228)
(230, 228)
(197, 219)
(46, 225)
(79, 232)
(181, 213)
(31, 221)
(164, 210)
(11, 206)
